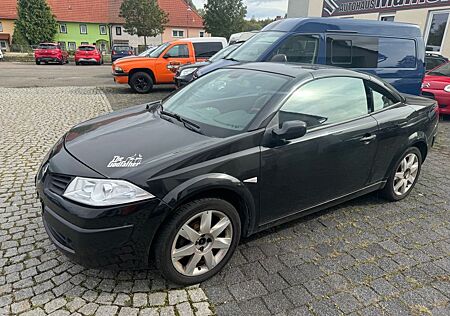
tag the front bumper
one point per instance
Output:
(442, 98)
(111, 237)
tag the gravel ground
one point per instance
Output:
(365, 257)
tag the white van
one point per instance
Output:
(206, 47)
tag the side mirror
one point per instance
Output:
(290, 130)
(166, 56)
(279, 58)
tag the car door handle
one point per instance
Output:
(367, 138)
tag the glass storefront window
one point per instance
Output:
(437, 25)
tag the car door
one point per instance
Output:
(332, 160)
(174, 56)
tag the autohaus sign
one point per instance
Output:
(349, 7)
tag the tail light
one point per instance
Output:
(130, 52)
(113, 52)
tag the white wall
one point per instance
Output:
(133, 40)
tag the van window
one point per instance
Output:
(299, 49)
(255, 46)
(207, 49)
(352, 51)
(370, 52)
(389, 56)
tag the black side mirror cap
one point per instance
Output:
(290, 130)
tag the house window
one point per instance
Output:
(202, 34)
(1, 27)
(2, 44)
(118, 30)
(72, 46)
(83, 29)
(62, 45)
(436, 30)
(102, 29)
(177, 33)
(84, 43)
(63, 28)
(387, 17)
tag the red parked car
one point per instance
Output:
(50, 52)
(87, 54)
(436, 85)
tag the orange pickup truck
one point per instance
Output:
(141, 73)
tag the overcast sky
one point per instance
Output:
(259, 8)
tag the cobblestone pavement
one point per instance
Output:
(35, 279)
(366, 257)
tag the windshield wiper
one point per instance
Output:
(232, 59)
(188, 124)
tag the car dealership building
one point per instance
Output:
(433, 16)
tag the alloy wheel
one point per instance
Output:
(141, 83)
(406, 174)
(202, 243)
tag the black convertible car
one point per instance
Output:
(241, 149)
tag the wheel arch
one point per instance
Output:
(146, 70)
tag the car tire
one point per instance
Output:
(61, 62)
(77, 63)
(209, 254)
(141, 82)
(38, 62)
(404, 176)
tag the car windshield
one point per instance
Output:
(147, 52)
(86, 48)
(224, 52)
(255, 46)
(224, 102)
(158, 51)
(121, 49)
(47, 46)
(443, 70)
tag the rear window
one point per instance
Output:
(86, 48)
(370, 52)
(207, 49)
(47, 46)
(121, 49)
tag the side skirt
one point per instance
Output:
(322, 206)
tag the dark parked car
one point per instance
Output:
(237, 151)
(186, 73)
(119, 51)
(432, 60)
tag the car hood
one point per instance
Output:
(435, 82)
(125, 60)
(195, 65)
(216, 65)
(126, 143)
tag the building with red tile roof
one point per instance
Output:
(76, 16)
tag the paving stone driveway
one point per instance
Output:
(365, 257)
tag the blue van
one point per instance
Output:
(393, 51)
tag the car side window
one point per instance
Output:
(178, 51)
(299, 49)
(326, 101)
(380, 97)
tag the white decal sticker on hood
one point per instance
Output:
(122, 162)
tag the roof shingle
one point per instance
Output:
(107, 11)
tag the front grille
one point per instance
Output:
(58, 183)
(428, 95)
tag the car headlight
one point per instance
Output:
(104, 192)
(447, 88)
(118, 69)
(187, 72)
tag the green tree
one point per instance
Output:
(143, 18)
(20, 43)
(224, 17)
(35, 21)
